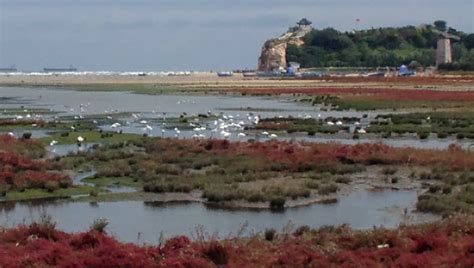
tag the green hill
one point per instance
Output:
(380, 47)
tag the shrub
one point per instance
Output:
(423, 135)
(302, 230)
(270, 234)
(26, 135)
(328, 189)
(344, 180)
(277, 203)
(460, 136)
(216, 253)
(447, 190)
(312, 184)
(51, 186)
(94, 193)
(442, 135)
(434, 188)
(389, 170)
(99, 225)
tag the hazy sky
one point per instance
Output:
(127, 35)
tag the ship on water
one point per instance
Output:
(60, 70)
(11, 69)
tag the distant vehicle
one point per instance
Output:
(249, 74)
(376, 74)
(225, 74)
(275, 74)
(311, 74)
(404, 71)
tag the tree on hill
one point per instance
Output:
(469, 41)
(376, 47)
(441, 25)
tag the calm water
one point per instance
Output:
(69, 102)
(362, 209)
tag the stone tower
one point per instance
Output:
(443, 51)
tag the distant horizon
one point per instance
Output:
(199, 35)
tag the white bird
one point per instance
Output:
(356, 123)
(53, 142)
(109, 117)
(11, 134)
(273, 136)
(330, 123)
(225, 134)
(80, 139)
(148, 127)
(257, 120)
(144, 122)
(362, 131)
(115, 125)
(241, 134)
(265, 133)
(339, 123)
(95, 122)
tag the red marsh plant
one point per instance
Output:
(21, 168)
(448, 243)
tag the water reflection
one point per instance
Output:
(361, 209)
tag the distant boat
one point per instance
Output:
(60, 70)
(277, 74)
(8, 70)
(225, 74)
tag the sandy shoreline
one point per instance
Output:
(211, 80)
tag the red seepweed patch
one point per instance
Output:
(448, 243)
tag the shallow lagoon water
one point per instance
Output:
(362, 209)
(69, 102)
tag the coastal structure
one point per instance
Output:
(443, 47)
(273, 54)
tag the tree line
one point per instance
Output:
(381, 47)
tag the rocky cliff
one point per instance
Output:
(273, 55)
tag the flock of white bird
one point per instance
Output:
(224, 126)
